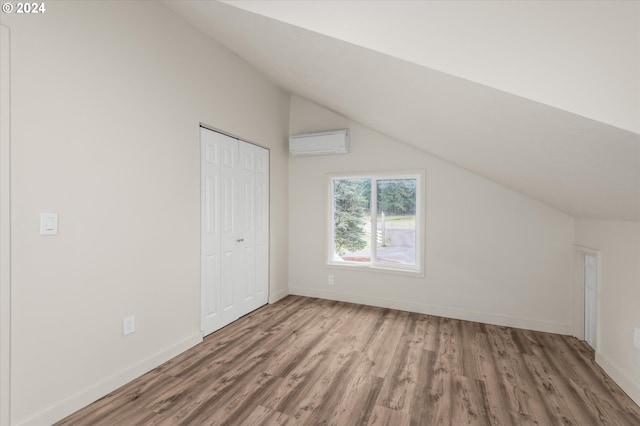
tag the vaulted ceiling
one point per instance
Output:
(542, 97)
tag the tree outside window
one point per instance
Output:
(379, 233)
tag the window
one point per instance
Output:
(376, 221)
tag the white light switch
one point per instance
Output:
(48, 223)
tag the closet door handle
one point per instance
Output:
(240, 240)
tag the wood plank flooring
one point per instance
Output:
(305, 361)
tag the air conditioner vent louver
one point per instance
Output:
(328, 142)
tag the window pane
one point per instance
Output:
(396, 221)
(352, 220)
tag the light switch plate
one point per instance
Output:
(128, 325)
(48, 223)
(636, 337)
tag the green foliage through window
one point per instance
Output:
(351, 204)
(374, 220)
(397, 196)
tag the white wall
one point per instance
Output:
(618, 297)
(579, 56)
(107, 98)
(492, 255)
(5, 199)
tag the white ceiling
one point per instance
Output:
(544, 101)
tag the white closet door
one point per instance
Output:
(210, 241)
(231, 239)
(261, 161)
(235, 229)
(254, 175)
(246, 208)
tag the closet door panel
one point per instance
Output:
(261, 223)
(231, 201)
(211, 168)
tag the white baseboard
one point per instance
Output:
(273, 298)
(466, 315)
(85, 397)
(618, 376)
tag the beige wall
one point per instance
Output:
(492, 255)
(106, 102)
(5, 258)
(618, 297)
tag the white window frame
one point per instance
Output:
(418, 268)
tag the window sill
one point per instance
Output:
(415, 273)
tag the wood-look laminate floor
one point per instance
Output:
(305, 361)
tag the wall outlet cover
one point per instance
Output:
(128, 325)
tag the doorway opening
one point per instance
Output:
(586, 279)
(590, 299)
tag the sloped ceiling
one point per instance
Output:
(547, 104)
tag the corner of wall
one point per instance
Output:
(273, 298)
(618, 315)
(619, 376)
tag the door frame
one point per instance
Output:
(579, 294)
(5, 227)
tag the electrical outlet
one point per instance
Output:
(128, 325)
(636, 337)
(330, 280)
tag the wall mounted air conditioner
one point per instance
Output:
(329, 142)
